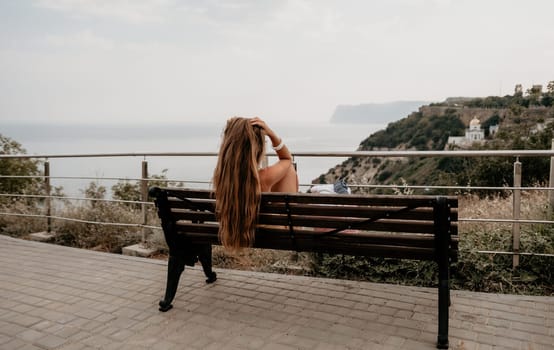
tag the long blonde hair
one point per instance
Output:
(237, 184)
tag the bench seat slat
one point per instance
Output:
(333, 245)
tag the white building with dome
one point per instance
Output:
(473, 134)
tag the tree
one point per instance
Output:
(17, 167)
(126, 190)
(534, 94)
(518, 91)
(516, 109)
(492, 120)
(95, 192)
(550, 88)
(130, 190)
(547, 100)
(548, 96)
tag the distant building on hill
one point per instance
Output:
(473, 134)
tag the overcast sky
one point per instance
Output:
(169, 60)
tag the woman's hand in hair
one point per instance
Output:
(256, 121)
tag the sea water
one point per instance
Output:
(66, 138)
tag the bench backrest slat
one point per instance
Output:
(326, 210)
(322, 222)
(365, 200)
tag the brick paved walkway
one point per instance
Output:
(54, 297)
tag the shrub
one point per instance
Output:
(384, 175)
(87, 235)
(17, 167)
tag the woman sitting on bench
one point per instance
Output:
(239, 180)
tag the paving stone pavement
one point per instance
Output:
(54, 297)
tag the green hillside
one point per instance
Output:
(524, 121)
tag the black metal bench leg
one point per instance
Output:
(444, 301)
(205, 258)
(175, 267)
(442, 241)
(444, 298)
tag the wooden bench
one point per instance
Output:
(406, 227)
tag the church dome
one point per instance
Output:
(474, 122)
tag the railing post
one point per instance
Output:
(47, 190)
(551, 184)
(144, 197)
(516, 212)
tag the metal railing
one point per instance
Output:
(144, 180)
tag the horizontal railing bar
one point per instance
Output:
(24, 176)
(108, 155)
(466, 153)
(423, 187)
(81, 221)
(74, 198)
(514, 253)
(99, 178)
(469, 188)
(507, 221)
(457, 153)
